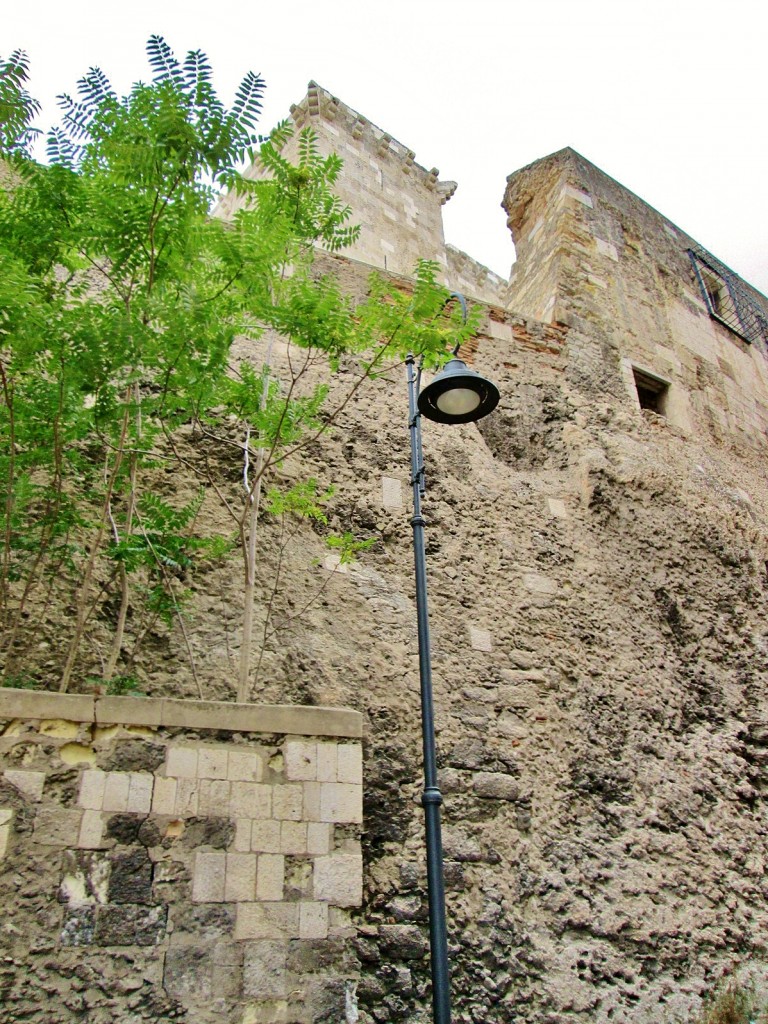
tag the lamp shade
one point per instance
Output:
(458, 395)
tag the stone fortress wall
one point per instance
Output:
(597, 552)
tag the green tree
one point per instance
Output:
(120, 300)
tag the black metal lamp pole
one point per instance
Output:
(457, 395)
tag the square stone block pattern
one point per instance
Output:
(212, 763)
(244, 766)
(339, 880)
(267, 921)
(341, 802)
(300, 760)
(209, 877)
(29, 783)
(181, 762)
(350, 763)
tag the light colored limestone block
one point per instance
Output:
(242, 841)
(164, 796)
(266, 978)
(265, 836)
(313, 920)
(300, 760)
(341, 802)
(270, 877)
(116, 788)
(557, 508)
(29, 783)
(186, 797)
(240, 882)
(212, 763)
(326, 762)
(6, 816)
(244, 766)
(391, 492)
(57, 826)
(209, 878)
(213, 796)
(267, 921)
(140, 792)
(287, 802)
(339, 880)
(480, 639)
(350, 763)
(293, 837)
(181, 762)
(250, 800)
(92, 783)
(91, 830)
(312, 791)
(318, 837)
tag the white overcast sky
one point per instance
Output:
(667, 96)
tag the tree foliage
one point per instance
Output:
(121, 298)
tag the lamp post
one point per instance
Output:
(456, 395)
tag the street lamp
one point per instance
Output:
(456, 395)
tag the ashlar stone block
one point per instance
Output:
(287, 802)
(91, 830)
(326, 762)
(250, 800)
(339, 880)
(265, 970)
(318, 837)
(293, 837)
(116, 788)
(300, 760)
(265, 836)
(92, 784)
(164, 796)
(186, 797)
(213, 795)
(181, 762)
(140, 792)
(212, 763)
(29, 783)
(270, 877)
(341, 802)
(313, 920)
(240, 882)
(350, 763)
(267, 921)
(244, 766)
(58, 826)
(209, 877)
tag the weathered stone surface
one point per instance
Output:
(495, 786)
(130, 877)
(130, 925)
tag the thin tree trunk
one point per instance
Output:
(85, 586)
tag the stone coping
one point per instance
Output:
(288, 719)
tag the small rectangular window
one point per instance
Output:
(652, 391)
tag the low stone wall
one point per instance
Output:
(167, 860)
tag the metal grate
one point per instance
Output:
(727, 300)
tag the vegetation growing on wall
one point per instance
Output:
(120, 301)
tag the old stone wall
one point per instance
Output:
(395, 201)
(165, 861)
(594, 256)
(599, 599)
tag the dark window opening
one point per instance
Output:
(652, 391)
